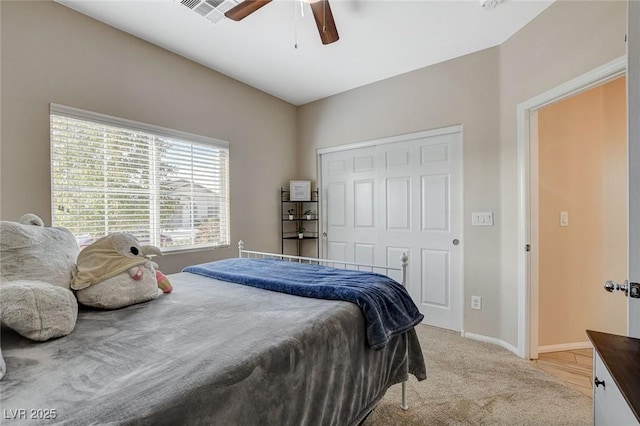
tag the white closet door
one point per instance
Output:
(349, 218)
(399, 197)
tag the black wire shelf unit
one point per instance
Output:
(299, 216)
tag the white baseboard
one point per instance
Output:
(491, 340)
(564, 347)
(541, 349)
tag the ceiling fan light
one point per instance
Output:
(489, 4)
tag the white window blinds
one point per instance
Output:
(168, 188)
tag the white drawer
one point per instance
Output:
(609, 406)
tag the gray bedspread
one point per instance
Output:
(210, 353)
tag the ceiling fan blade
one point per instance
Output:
(324, 21)
(244, 9)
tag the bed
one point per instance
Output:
(213, 353)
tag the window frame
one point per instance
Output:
(107, 120)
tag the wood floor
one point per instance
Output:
(574, 368)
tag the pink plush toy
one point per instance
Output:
(164, 284)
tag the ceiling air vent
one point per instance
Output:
(190, 3)
(213, 10)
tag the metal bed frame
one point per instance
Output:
(338, 264)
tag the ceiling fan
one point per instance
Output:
(321, 12)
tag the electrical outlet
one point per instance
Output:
(476, 303)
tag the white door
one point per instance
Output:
(633, 120)
(401, 195)
(348, 211)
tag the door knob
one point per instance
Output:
(630, 289)
(610, 286)
(456, 242)
(624, 287)
(324, 234)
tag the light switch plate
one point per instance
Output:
(482, 219)
(564, 218)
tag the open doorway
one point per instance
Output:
(528, 211)
(579, 209)
(582, 215)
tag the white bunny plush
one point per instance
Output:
(36, 267)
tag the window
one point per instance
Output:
(168, 188)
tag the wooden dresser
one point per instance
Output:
(616, 373)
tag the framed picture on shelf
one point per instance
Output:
(300, 190)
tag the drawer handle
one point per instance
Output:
(599, 382)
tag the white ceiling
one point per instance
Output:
(378, 38)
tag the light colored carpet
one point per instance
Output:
(474, 383)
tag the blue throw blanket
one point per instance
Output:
(387, 307)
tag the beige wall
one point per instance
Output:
(53, 54)
(480, 91)
(582, 157)
(568, 39)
